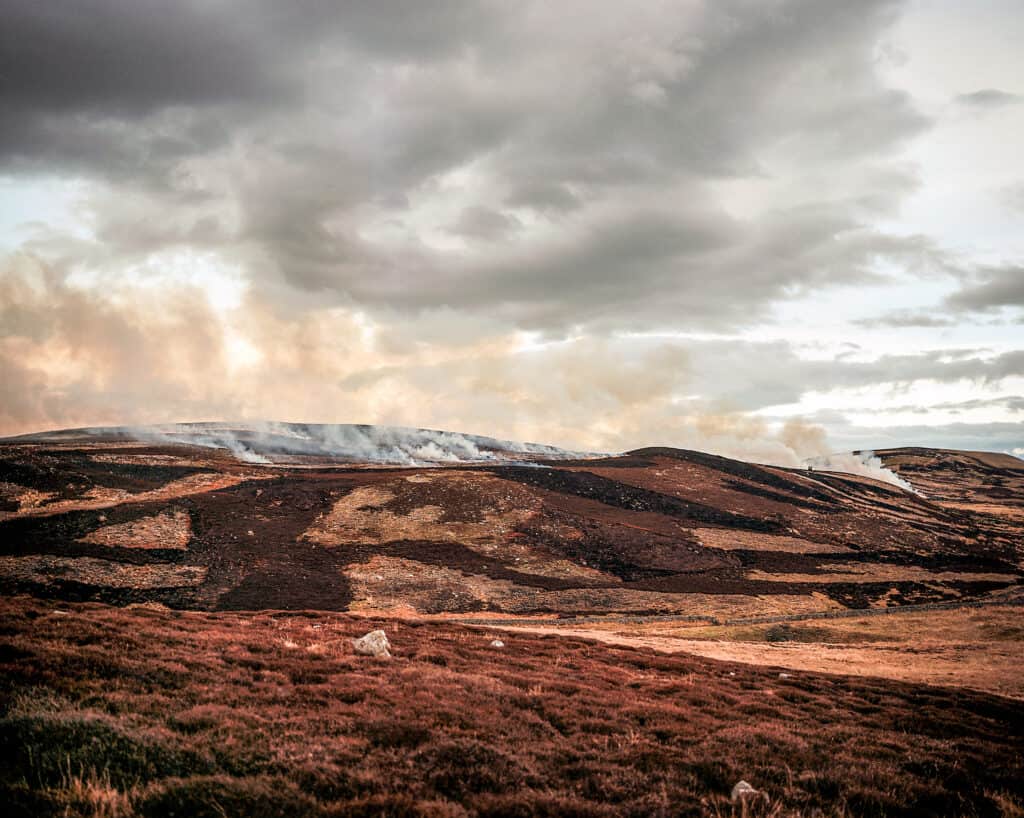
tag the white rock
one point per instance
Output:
(497, 643)
(743, 791)
(785, 675)
(375, 643)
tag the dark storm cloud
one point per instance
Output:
(81, 83)
(315, 146)
(117, 58)
(76, 76)
(128, 58)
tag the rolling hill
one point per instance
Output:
(220, 518)
(635, 634)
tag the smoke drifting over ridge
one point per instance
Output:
(267, 441)
(864, 463)
(271, 442)
(75, 357)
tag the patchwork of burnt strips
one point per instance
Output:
(653, 532)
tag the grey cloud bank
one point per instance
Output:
(315, 146)
(577, 222)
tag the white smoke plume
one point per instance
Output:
(864, 463)
(269, 442)
(796, 444)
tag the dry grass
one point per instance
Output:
(92, 794)
(168, 529)
(367, 514)
(878, 572)
(143, 712)
(974, 648)
(729, 540)
(45, 569)
(101, 498)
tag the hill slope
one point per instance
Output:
(88, 516)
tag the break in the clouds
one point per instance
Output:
(592, 224)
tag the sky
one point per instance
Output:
(764, 228)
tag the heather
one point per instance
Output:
(142, 711)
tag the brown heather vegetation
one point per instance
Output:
(657, 531)
(212, 710)
(143, 711)
(980, 648)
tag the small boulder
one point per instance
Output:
(497, 643)
(744, 792)
(785, 675)
(375, 643)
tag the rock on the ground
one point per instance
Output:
(375, 643)
(497, 643)
(742, 791)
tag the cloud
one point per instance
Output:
(41, 310)
(342, 152)
(484, 223)
(1012, 196)
(988, 98)
(1011, 403)
(981, 290)
(75, 356)
(992, 437)
(906, 318)
(993, 288)
(998, 287)
(563, 222)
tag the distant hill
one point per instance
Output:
(299, 443)
(989, 486)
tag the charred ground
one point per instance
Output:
(653, 531)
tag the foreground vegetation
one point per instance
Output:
(149, 712)
(966, 647)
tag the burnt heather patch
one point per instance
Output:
(662, 530)
(624, 496)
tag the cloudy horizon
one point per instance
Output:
(764, 229)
